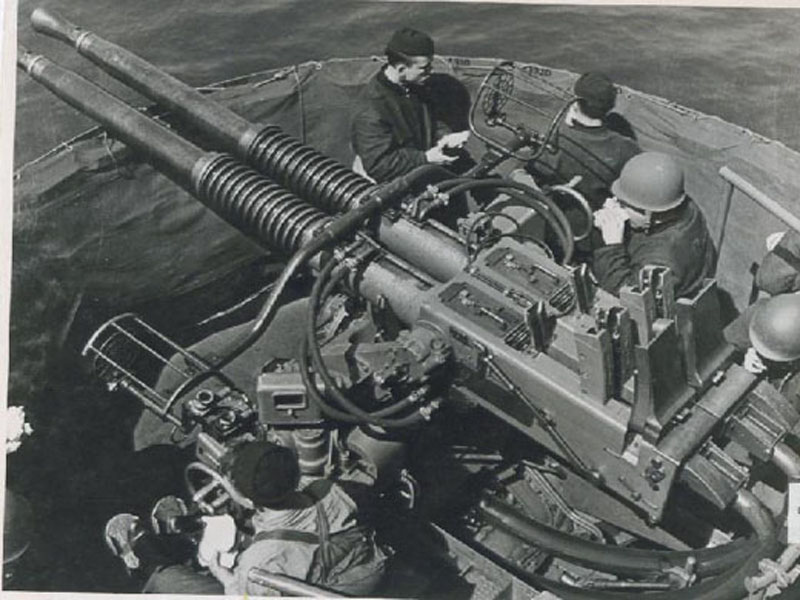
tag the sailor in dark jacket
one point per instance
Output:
(586, 145)
(768, 332)
(393, 130)
(779, 272)
(664, 227)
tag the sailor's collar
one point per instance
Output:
(578, 126)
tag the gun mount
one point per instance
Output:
(410, 329)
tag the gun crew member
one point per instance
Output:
(768, 332)
(394, 130)
(311, 534)
(651, 220)
(307, 530)
(779, 272)
(587, 146)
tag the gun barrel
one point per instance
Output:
(340, 188)
(183, 100)
(256, 206)
(253, 204)
(173, 154)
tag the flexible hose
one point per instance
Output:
(755, 513)
(726, 586)
(305, 371)
(526, 195)
(614, 559)
(351, 410)
(541, 209)
(562, 230)
(787, 460)
(729, 585)
(271, 304)
(327, 409)
(334, 232)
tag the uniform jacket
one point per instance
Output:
(684, 245)
(289, 557)
(779, 272)
(392, 128)
(597, 154)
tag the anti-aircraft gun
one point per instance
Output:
(605, 410)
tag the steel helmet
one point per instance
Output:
(775, 328)
(650, 181)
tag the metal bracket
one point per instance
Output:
(762, 422)
(714, 475)
(660, 280)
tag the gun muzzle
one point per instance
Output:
(174, 155)
(56, 26)
(181, 99)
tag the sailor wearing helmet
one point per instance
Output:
(768, 332)
(780, 270)
(650, 220)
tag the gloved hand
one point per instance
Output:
(753, 362)
(219, 538)
(610, 220)
(214, 550)
(456, 139)
(436, 156)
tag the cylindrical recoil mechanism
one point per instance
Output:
(254, 205)
(305, 171)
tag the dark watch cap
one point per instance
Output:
(264, 472)
(596, 91)
(410, 42)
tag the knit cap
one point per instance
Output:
(597, 92)
(410, 42)
(264, 472)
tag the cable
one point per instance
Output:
(527, 195)
(615, 559)
(379, 417)
(489, 215)
(728, 585)
(332, 233)
(327, 409)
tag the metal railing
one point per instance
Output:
(736, 181)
